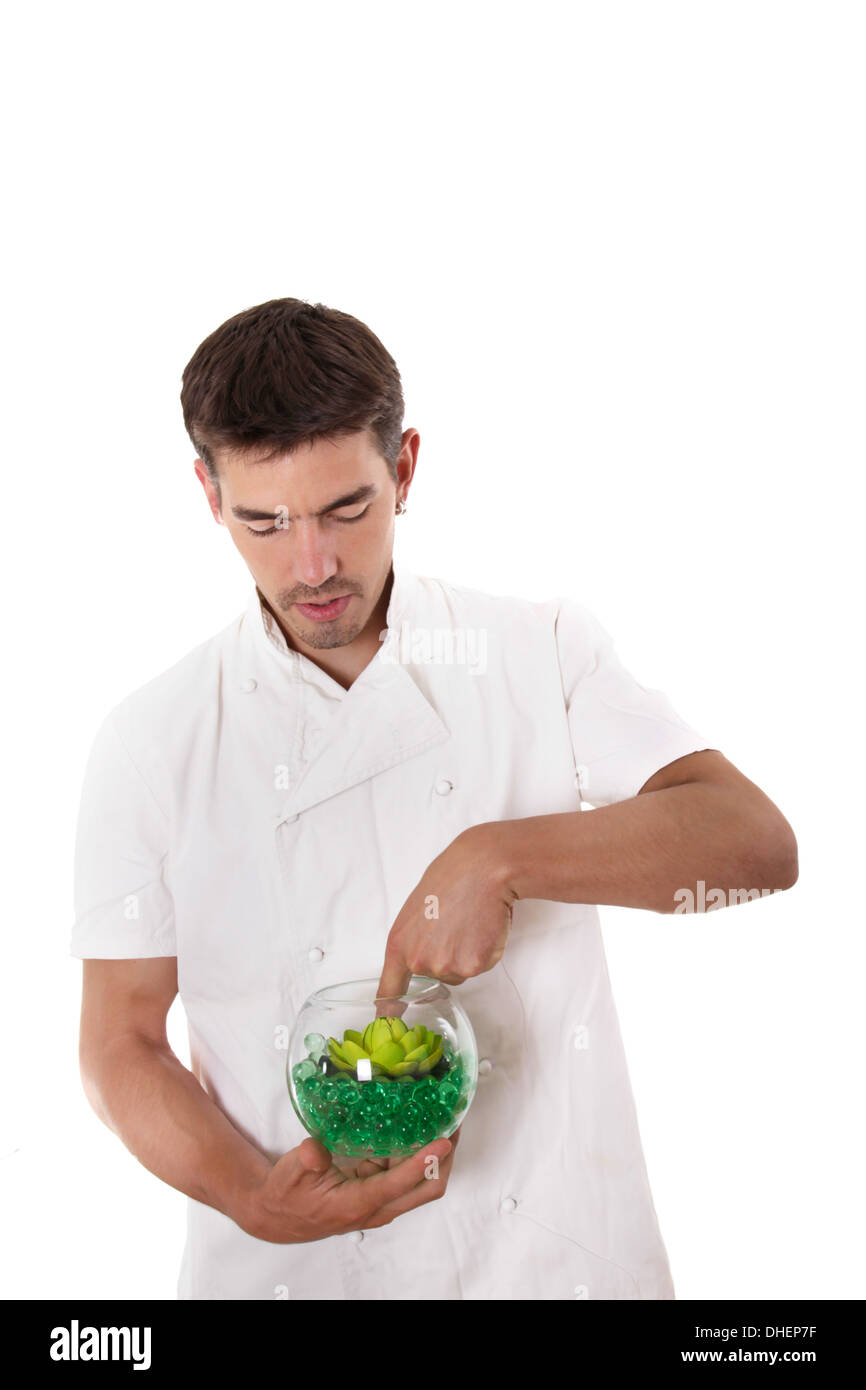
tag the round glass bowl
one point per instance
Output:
(381, 1078)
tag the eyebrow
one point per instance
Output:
(361, 494)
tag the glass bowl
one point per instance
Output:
(370, 1077)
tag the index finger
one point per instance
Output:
(393, 982)
(381, 1163)
(401, 1180)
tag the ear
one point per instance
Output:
(406, 460)
(213, 497)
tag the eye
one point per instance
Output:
(356, 517)
(271, 530)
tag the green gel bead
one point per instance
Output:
(312, 1085)
(427, 1129)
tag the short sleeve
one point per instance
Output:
(621, 732)
(123, 908)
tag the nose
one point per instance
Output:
(314, 558)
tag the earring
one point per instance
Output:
(401, 507)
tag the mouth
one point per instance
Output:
(325, 612)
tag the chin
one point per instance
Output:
(335, 636)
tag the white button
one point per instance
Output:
(356, 1237)
(508, 1204)
(443, 786)
(315, 953)
(248, 685)
(485, 1066)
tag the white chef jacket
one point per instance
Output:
(246, 814)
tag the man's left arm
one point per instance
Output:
(696, 819)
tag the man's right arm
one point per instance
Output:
(144, 1093)
(154, 1104)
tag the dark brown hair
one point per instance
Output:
(286, 373)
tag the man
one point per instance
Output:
(279, 810)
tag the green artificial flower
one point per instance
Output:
(391, 1047)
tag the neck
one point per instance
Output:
(344, 664)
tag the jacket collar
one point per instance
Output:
(270, 640)
(381, 720)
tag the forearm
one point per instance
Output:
(639, 852)
(155, 1105)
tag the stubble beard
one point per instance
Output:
(324, 636)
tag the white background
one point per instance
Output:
(617, 252)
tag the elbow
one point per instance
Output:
(90, 1083)
(788, 870)
(777, 864)
(95, 1083)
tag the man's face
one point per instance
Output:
(316, 530)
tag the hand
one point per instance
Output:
(305, 1197)
(455, 923)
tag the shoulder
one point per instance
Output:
(525, 640)
(462, 603)
(562, 621)
(179, 694)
